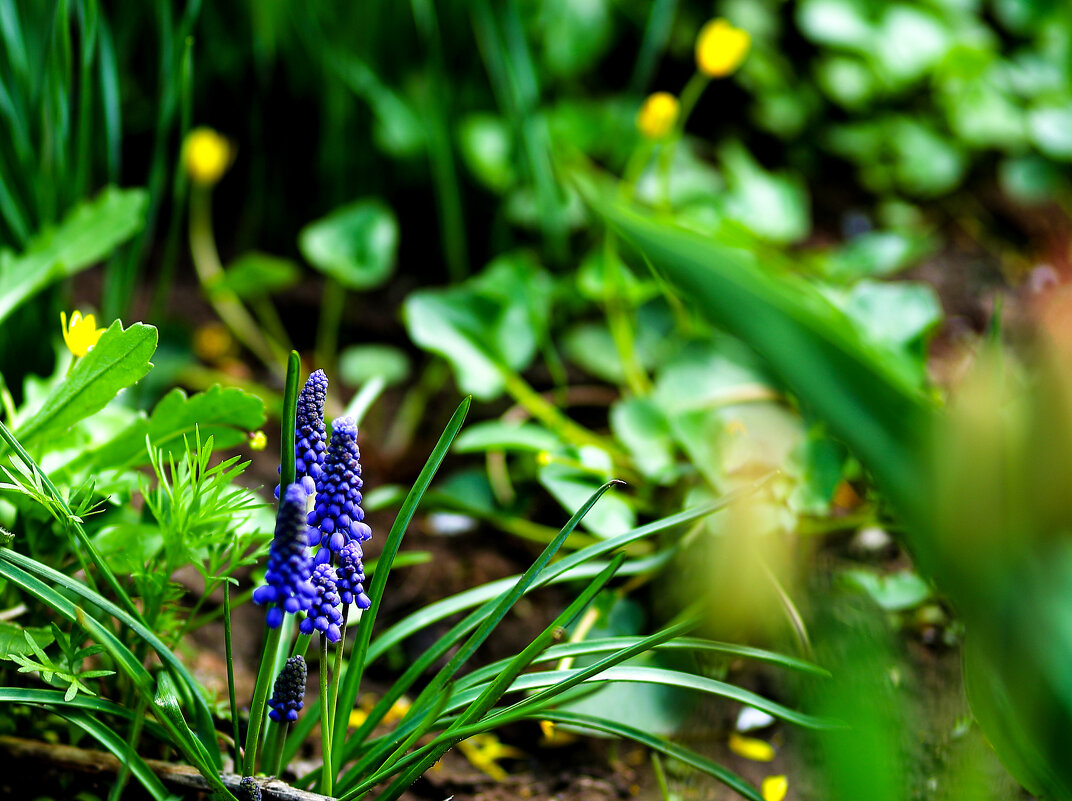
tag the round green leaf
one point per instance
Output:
(355, 244)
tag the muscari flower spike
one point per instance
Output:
(248, 790)
(288, 694)
(310, 436)
(350, 575)
(287, 587)
(325, 614)
(337, 513)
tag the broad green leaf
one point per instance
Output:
(119, 360)
(85, 236)
(1050, 127)
(772, 206)
(254, 275)
(499, 435)
(487, 148)
(225, 413)
(492, 322)
(894, 592)
(359, 364)
(841, 23)
(877, 253)
(640, 425)
(356, 244)
(575, 33)
(13, 638)
(893, 314)
(805, 341)
(909, 42)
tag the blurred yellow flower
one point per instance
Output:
(82, 333)
(721, 48)
(397, 711)
(751, 748)
(658, 114)
(207, 155)
(483, 752)
(554, 737)
(213, 342)
(774, 788)
(258, 441)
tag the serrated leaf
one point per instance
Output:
(224, 413)
(86, 235)
(355, 244)
(119, 360)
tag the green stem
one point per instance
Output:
(260, 700)
(230, 670)
(326, 776)
(337, 672)
(273, 746)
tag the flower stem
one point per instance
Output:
(230, 670)
(327, 779)
(260, 700)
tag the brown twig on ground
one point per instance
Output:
(86, 761)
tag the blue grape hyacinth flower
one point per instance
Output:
(350, 575)
(286, 582)
(310, 435)
(288, 694)
(338, 513)
(325, 614)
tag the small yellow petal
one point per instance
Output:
(206, 155)
(751, 748)
(80, 334)
(774, 788)
(258, 441)
(658, 115)
(721, 48)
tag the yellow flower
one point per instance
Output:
(554, 737)
(207, 155)
(751, 748)
(82, 334)
(720, 48)
(483, 752)
(658, 114)
(258, 441)
(774, 788)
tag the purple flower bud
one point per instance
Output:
(288, 694)
(286, 581)
(350, 575)
(325, 614)
(338, 513)
(310, 436)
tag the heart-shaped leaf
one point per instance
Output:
(355, 244)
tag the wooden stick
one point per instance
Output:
(86, 761)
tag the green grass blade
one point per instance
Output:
(121, 749)
(99, 706)
(109, 89)
(289, 422)
(358, 655)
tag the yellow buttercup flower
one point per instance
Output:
(82, 333)
(721, 48)
(258, 441)
(484, 752)
(658, 114)
(751, 748)
(207, 155)
(774, 788)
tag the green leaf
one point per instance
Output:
(489, 323)
(772, 206)
(499, 435)
(806, 342)
(254, 275)
(359, 364)
(85, 236)
(894, 314)
(225, 413)
(120, 359)
(877, 253)
(640, 425)
(894, 592)
(571, 488)
(1050, 127)
(575, 33)
(487, 149)
(13, 639)
(355, 244)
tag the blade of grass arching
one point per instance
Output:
(502, 605)
(495, 688)
(26, 566)
(807, 342)
(91, 703)
(605, 645)
(121, 749)
(680, 753)
(126, 661)
(356, 665)
(108, 74)
(656, 35)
